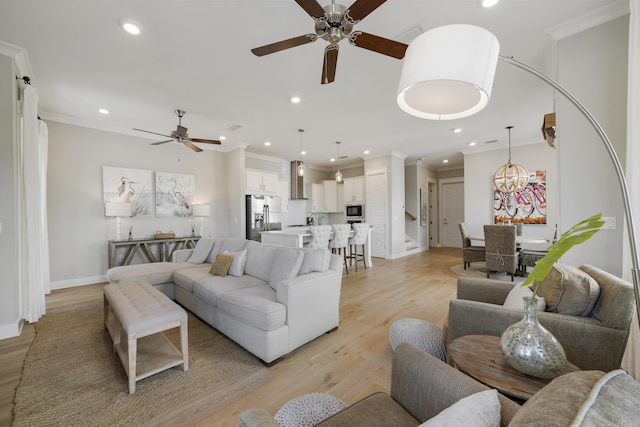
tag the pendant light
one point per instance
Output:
(338, 174)
(301, 164)
(511, 177)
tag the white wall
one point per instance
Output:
(397, 207)
(78, 229)
(9, 311)
(592, 65)
(478, 185)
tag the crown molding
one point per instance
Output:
(590, 20)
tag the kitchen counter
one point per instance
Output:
(296, 237)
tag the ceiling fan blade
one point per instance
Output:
(205, 141)
(312, 7)
(162, 142)
(193, 147)
(155, 133)
(361, 8)
(378, 44)
(284, 44)
(329, 64)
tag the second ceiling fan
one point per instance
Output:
(333, 23)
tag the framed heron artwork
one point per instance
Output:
(125, 185)
(174, 195)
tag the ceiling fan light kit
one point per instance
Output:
(448, 72)
(333, 23)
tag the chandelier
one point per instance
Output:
(511, 177)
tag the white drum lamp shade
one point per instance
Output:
(118, 210)
(448, 72)
(201, 210)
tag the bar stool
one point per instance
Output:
(320, 235)
(360, 232)
(340, 241)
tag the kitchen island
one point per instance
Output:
(296, 237)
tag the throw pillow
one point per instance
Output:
(315, 260)
(480, 409)
(237, 265)
(201, 251)
(220, 266)
(569, 290)
(286, 265)
(514, 299)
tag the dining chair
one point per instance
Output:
(469, 253)
(501, 254)
(360, 233)
(320, 235)
(340, 241)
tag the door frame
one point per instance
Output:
(368, 174)
(441, 183)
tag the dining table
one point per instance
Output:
(520, 240)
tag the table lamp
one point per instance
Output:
(200, 211)
(118, 210)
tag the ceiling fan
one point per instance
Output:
(333, 23)
(181, 135)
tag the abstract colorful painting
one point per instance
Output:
(528, 206)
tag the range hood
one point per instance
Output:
(297, 182)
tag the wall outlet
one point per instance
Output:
(609, 223)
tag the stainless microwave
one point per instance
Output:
(353, 211)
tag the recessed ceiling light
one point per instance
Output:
(130, 26)
(332, 159)
(472, 144)
(296, 99)
(267, 143)
(303, 153)
(366, 151)
(445, 161)
(222, 137)
(103, 111)
(456, 130)
(488, 3)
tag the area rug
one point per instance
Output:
(477, 270)
(72, 377)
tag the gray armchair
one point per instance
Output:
(500, 249)
(469, 253)
(596, 341)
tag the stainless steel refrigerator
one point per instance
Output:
(262, 214)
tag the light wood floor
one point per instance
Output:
(350, 363)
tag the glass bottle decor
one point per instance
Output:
(531, 349)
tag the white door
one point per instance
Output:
(376, 212)
(452, 213)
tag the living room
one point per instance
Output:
(580, 179)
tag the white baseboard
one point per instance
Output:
(11, 330)
(71, 283)
(407, 253)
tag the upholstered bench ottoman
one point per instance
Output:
(422, 334)
(142, 312)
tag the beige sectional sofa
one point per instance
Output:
(279, 298)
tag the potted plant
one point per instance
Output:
(527, 346)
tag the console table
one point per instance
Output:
(480, 357)
(155, 250)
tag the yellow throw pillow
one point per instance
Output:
(221, 265)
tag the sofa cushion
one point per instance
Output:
(232, 244)
(217, 245)
(153, 272)
(481, 409)
(285, 266)
(221, 265)
(237, 263)
(315, 260)
(568, 290)
(185, 278)
(588, 398)
(375, 410)
(255, 306)
(211, 287)
(260, 259)
(201, 251)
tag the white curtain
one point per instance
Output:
(631, 360)
(35, 278)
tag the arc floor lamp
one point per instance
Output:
(448, 74)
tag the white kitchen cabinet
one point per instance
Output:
(325, 196)
(283, 193)
(317, 197)
(262, 182)
(354, 190)
(330, 195)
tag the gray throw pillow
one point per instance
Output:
(201, 251)
(315, 260)
(237, 265)
(569, 290)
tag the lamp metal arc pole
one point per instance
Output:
(626, 200)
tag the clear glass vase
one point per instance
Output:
(531, 349)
